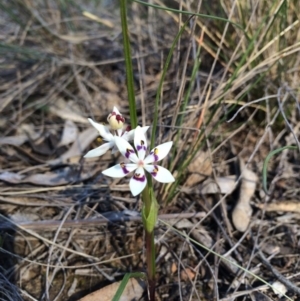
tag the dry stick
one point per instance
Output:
(201, 117)
(118, 217)
(285, 118)
(51, 249)
(280, 277)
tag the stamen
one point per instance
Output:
(120, 118)
(155, 154)
(155, 171)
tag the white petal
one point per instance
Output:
(114, 149)
(120, 132)
(116, 111)
(119, 170)
(145, 129)
(125, 136)
(140, 142)
(138, 181)
(159, 152)
(126, 149)
(160, 173)
(102, 129)
(99, 151)
(130, 134)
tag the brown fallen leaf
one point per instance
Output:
(286, 206)
(279, 288)
(187, 274)
(14, 140)
(173, 268)
(199, 233)
(98, 19)
(61, 176)
(200, 168)
(133, 291)
(69, 134)
(67, 111)
(223, 185)
(231, 264)
(77, 149)
(11, 177)
(30, 131)
(242, 212)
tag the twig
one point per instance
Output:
(112, 217)
(280, 277)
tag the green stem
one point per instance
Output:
(147, 198)
(150, 246)
(150, 258)
(128, 63)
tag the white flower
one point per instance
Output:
(140, 163)
(110, 138)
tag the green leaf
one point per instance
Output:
(150, 220)
(128, 63)
(184, 12)
(124, 282)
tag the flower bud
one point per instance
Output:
(115, 119)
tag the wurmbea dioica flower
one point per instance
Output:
(116, 122)
(115, 119)
(140, 163)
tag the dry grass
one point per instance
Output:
(67, 230)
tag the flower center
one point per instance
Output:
(140, 163)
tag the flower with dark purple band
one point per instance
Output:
(140, 162)
(108, 137)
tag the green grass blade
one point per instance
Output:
(159, 90)
(124, 282)
(186, 99)
(11, 12)
(128, 63)
(24, 53)
(184, 12)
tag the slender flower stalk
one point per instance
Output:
(150, 249)
(144, 167)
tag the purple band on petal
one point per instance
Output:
(139, 178)
(154, 153)
(139, 147)
(123, 166)
(128, 152)
(155, 171)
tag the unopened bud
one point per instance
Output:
(115, 119)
